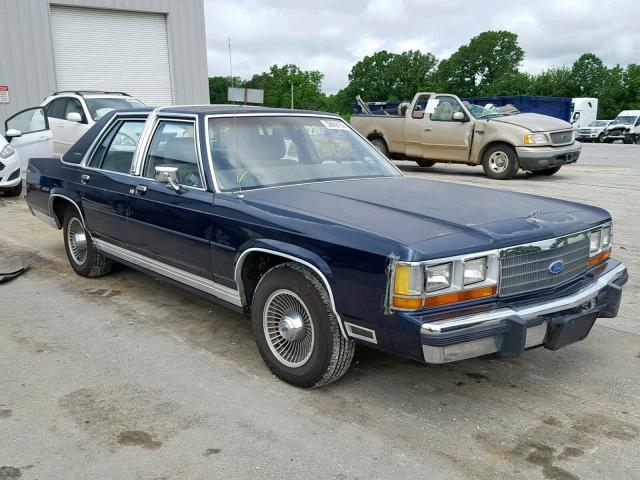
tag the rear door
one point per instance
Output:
(444, 138)
(66, 132)
(106, 182)
(36, 140)
(173, 227)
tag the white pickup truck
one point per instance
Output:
(439, 127)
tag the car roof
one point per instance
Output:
(237, 110)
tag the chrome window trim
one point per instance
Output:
(179, 118)
(217, 290)
(238, 278)
(209, 117)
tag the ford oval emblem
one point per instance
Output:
(556, 267)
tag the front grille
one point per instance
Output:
(559, 138)
(526, 268)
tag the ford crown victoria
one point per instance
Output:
(295, 219)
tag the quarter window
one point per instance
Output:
(115, 152)
(173, 145)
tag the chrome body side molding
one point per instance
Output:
(54, 195)
(205, 285)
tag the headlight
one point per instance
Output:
(600, 242)
(535, 139)
(7, 151)
(475, 271)
(433, 284)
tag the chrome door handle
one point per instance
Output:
(141, 188)
(84, 178)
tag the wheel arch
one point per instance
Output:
(254, 261)
(492, 143)
(58, 203)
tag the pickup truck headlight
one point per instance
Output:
(535, 139)
(7, 151)
(600, 242)
(439, 283)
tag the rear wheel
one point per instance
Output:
(84, 257)
(500, 162)
(425, 163)
(380, 144)
(547, 171)
(601, 138)
(296, 331)
(15, 191)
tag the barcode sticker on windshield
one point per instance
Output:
(334, 124)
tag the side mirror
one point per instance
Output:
(168, 175)
(74, 117)
(12, 133)
(458, 117)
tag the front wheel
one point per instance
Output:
(381, 146)
(296, 331)
(547, 171)
(84, 257)
(500, 162)
(601, 138)
(425, 163)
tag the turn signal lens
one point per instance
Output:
(407, 303)
(601, 257)
(455, 297)
(409, 279)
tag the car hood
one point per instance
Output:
(534, 122)
(429, 218)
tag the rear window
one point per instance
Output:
(99, 107)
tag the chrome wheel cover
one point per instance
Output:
(498, 162)
(77, 241)
(288, 328)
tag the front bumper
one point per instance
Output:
(540, 158)
(509, 330)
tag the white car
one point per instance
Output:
(594, 132)
(27, 136)
(72, 113)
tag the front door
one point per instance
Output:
(444, 138)
(106, 184)
(169, 226)
(36, 140)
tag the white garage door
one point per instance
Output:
(112, 50)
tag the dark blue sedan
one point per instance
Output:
(295, 219)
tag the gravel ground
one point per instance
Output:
(127, 377)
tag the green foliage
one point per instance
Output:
(487, 65)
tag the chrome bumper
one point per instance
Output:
(484, 333)
(539, 158)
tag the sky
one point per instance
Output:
(331, 35)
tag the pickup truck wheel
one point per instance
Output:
(381, 146)
(14, 192)
(297, 333)
(425, 163)
(638, 139)
(547, 171)
(84, 257)
(601, 138)
(500, 162)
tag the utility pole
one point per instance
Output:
(291, 83)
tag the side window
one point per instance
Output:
(57, 108)
(28, 121)
(74, 106)
(443, 109)
(637, 122)
(115, 152)
(420, 107)
(173, 145)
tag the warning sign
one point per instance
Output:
(4, 94)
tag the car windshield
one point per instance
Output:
(598, 123)
(481, 112)
(99, 107)
(264, 151)
(623, 121)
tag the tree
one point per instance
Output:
(555, 82)
(632, 85)
(487, 59)
(391, 76)
(218, 88)
(276, 83)
(589, 75)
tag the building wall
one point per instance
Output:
(27, 59)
